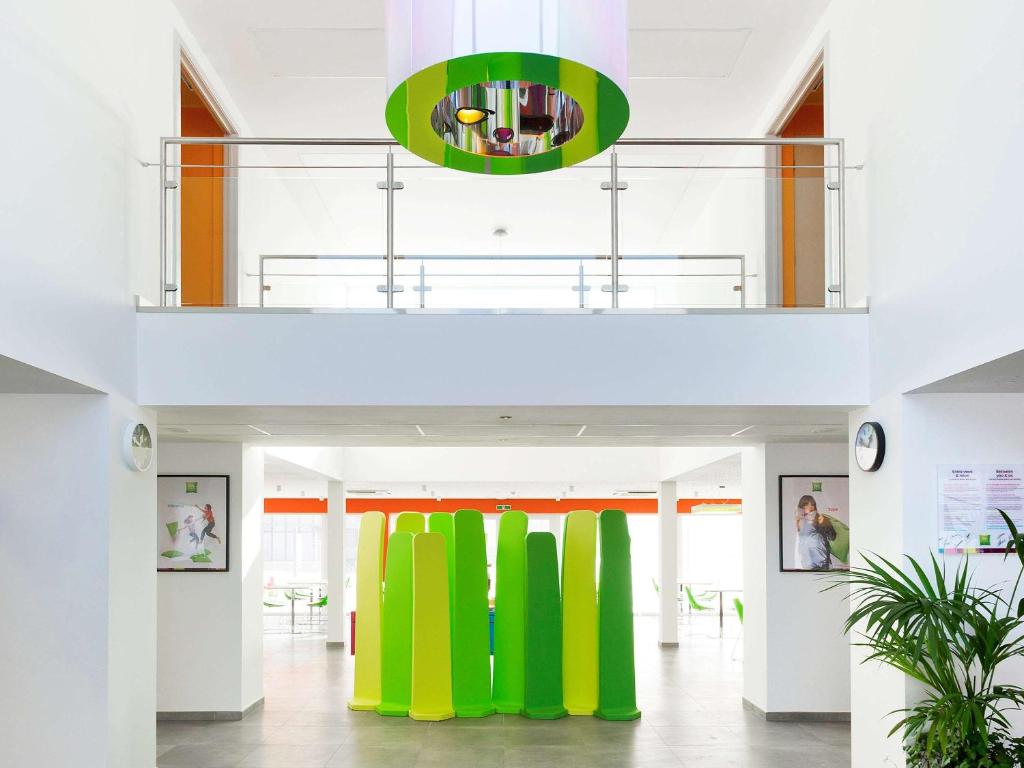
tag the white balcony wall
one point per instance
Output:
(238, 358)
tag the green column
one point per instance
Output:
(369, 602)
(579, 612)
(396, 641)
(509, 627)
(542, 699)
(412, 522)
(443, 523)
(431, 631)
(471, 656)
(616, 676)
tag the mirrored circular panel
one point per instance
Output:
(507, 118)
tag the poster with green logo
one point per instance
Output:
(814, 523)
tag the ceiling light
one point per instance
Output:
(474, 87)
(505, 418)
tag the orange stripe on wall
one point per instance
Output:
(307, 506)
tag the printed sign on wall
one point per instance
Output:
(970, 496)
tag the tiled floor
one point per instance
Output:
(690, 698)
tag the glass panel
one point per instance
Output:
(699, 226)
(469, 241)
(715, 227)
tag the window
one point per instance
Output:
(292, 548)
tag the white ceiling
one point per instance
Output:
(717, 479)
(474, 426)
(304, 68)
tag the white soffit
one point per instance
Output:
(685, 53)
(320, 53)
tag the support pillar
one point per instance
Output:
(785, 611)
(668, 548)
(337, 627)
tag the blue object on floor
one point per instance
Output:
(492, 631)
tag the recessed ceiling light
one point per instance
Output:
(505, 418)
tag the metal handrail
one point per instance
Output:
(614, 186)
(740, 275)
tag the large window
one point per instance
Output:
(292, 548)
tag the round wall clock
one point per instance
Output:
(869, 446)
(138, 446)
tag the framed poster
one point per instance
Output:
(970, 497)
(814, 523)
(192, 532)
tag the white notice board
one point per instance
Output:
(969, 497)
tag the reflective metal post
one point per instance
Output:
(163, 223)
(390, 181)
(615, 228)
(842, 221)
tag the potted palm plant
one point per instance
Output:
(953, 637)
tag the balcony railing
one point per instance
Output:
(361, 224)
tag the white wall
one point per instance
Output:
(796, 658)
(220, 667)
(95, 87)
(77, 638)
(928, 97)
(895, 511)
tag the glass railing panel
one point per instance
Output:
(725, 226)
(719, 224)
(492, 242)
(287, 214)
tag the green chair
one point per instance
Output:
(692, 601)
(319, 604)
(738, 605)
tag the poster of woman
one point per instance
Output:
(192, 534)
(814, 523)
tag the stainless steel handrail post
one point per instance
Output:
(163, 222)
(743, 281)
(391, 229)
(263, 284)
(615, 228)
(841, 160)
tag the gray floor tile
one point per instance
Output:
(691, 700)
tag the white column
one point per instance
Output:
(336, 624)
(783, 611)
(668, 532)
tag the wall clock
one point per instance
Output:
(869, 446)
(138, 447)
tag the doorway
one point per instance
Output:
(801, 198)
(204, 201)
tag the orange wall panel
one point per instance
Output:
(307, 505)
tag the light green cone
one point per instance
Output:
(509, 627)
(471, 656)
(396, 641)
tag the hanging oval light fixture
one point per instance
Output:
(507, 88)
